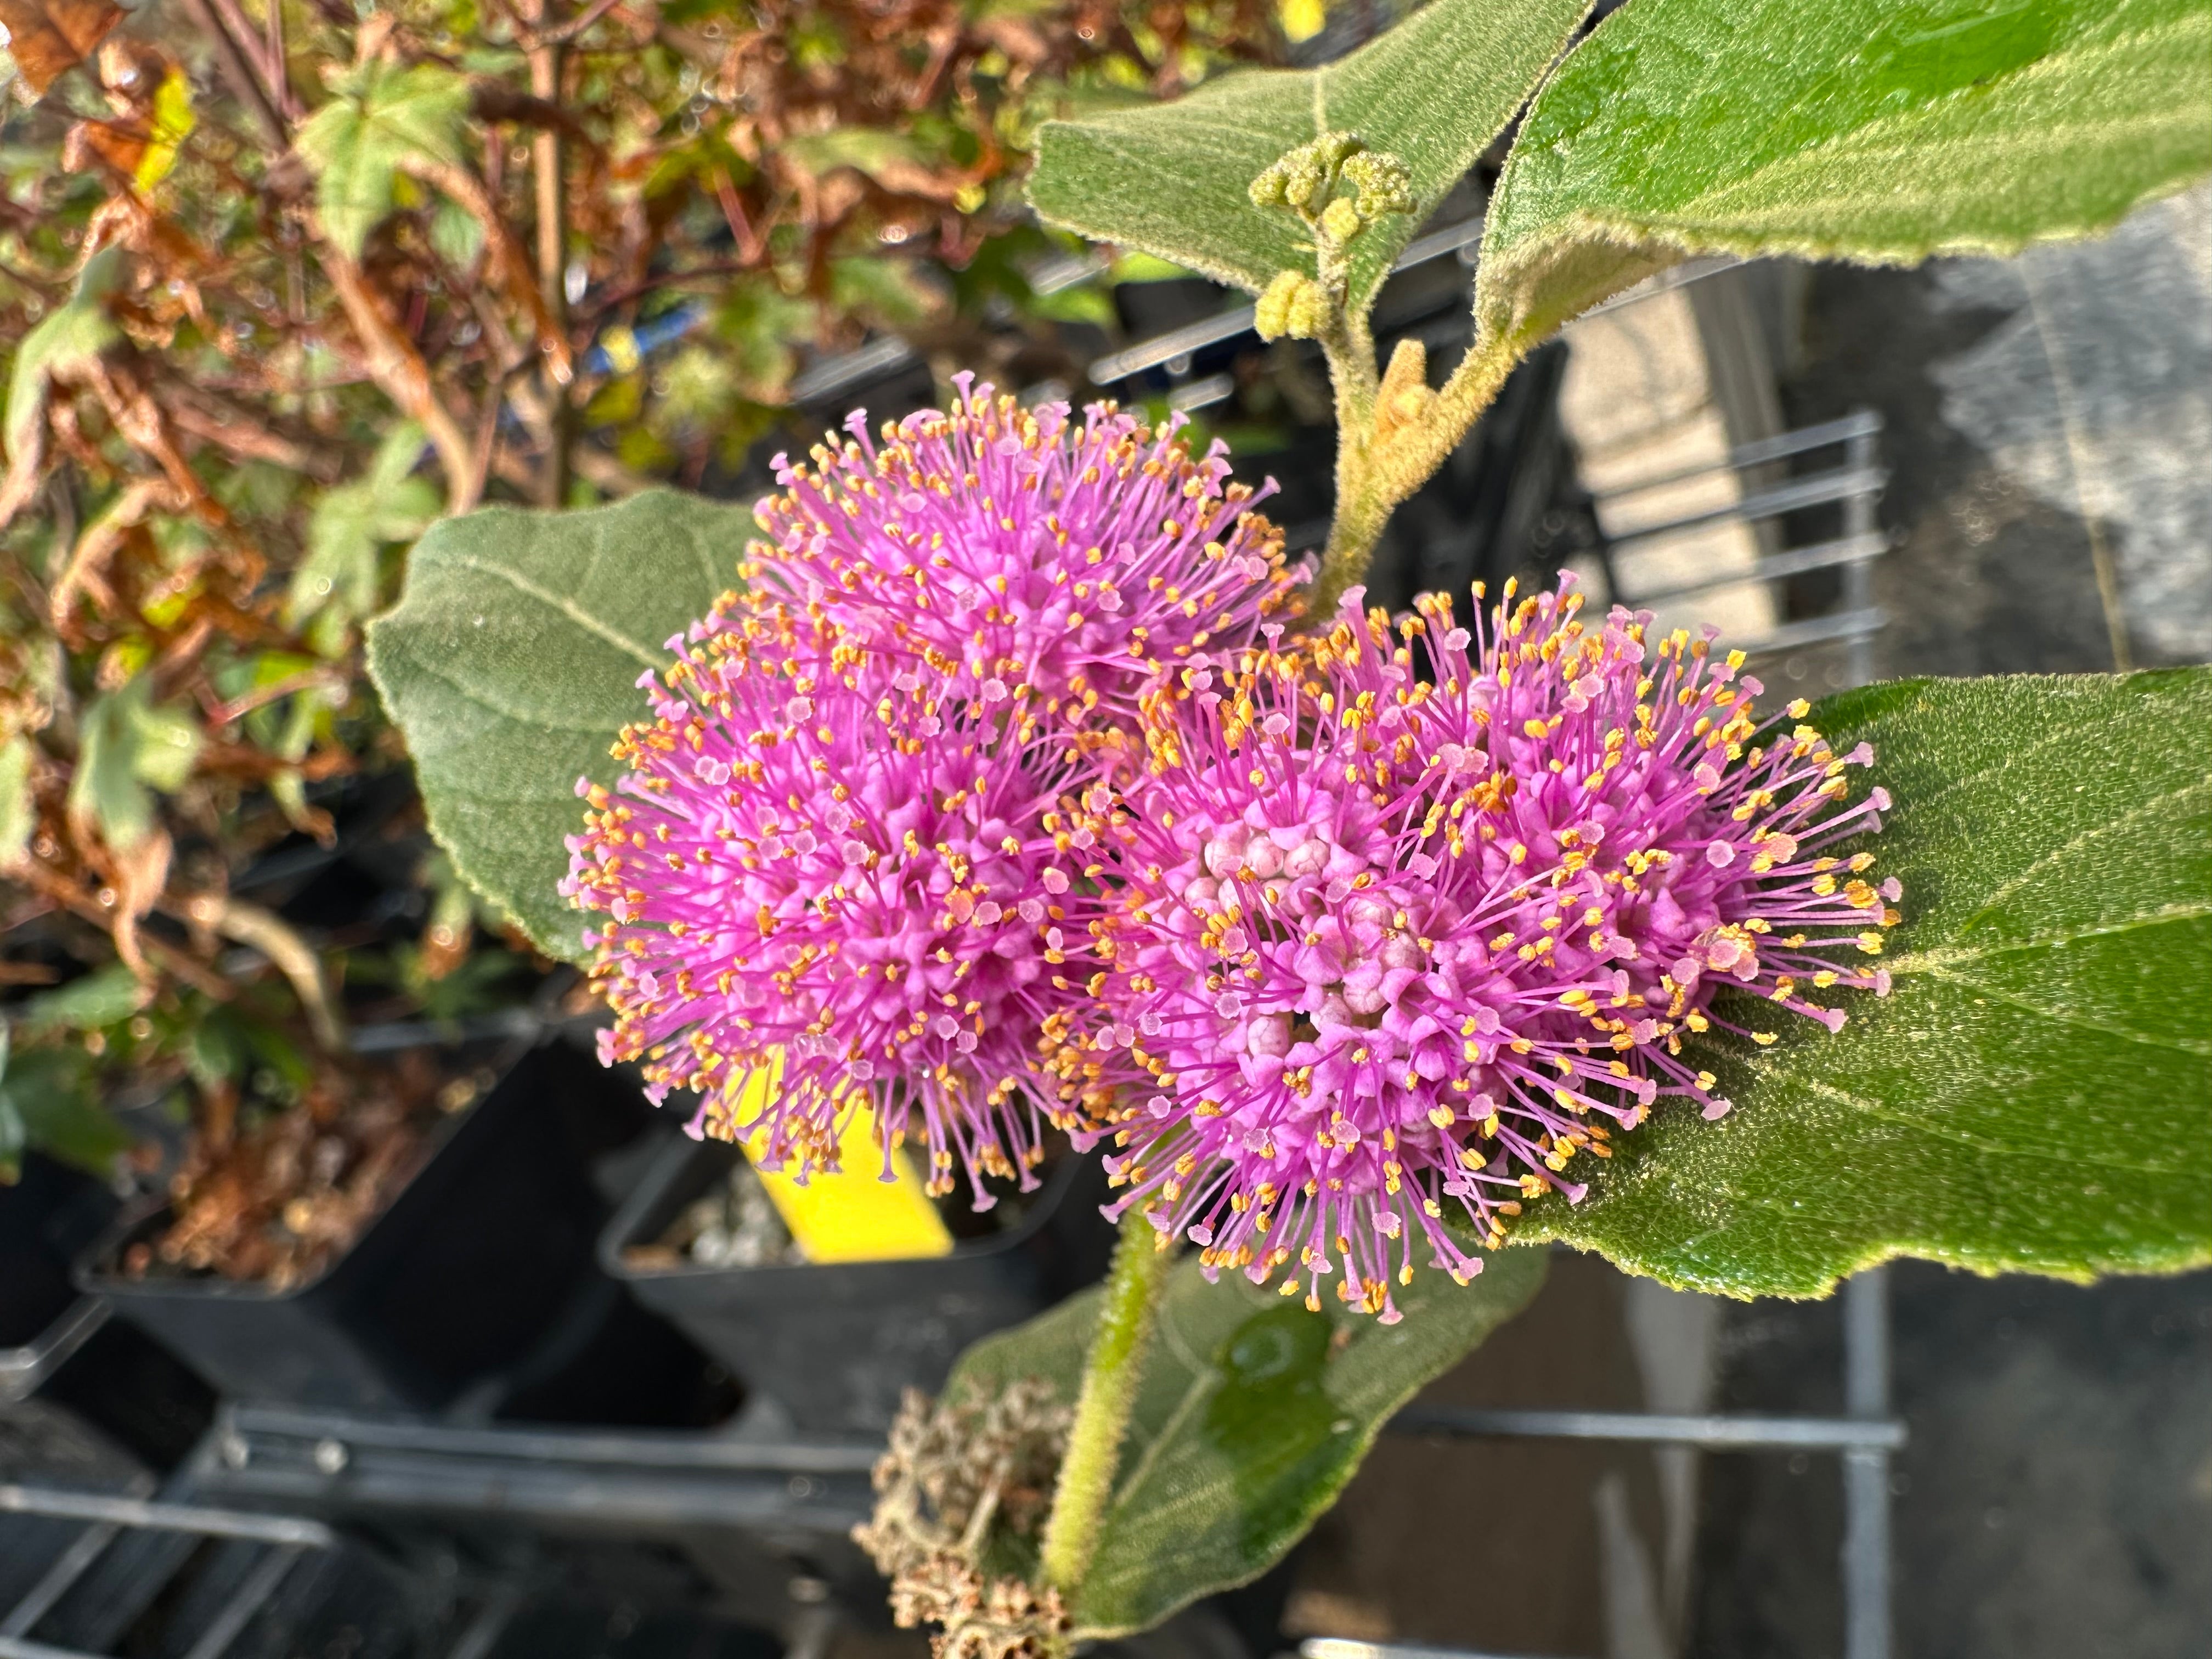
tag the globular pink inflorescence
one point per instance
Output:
(820, 860)
(1388, 934)
(840, 850)
(1003, 546)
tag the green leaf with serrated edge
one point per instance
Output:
(166, 743)
(2031, 1096)
(381, 117)
(1875, 129)
(72, 336)
(1171, 179)
(1252, 1415)
(105, 787)
(353, 521)
(511, 663)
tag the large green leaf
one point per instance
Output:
(1170, 179)
(104, 997)
(2033, 1094)
(381, 118)
(1252, 1415)
(512, 661)
(1875, 129)
(53, 1098)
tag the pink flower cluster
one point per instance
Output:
(1004, 548)
(1401, 923)
(998, 800)
(839, 848)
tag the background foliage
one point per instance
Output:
(283, 281)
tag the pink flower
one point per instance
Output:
(821, 855)
(1000, 547)
(1379, 945)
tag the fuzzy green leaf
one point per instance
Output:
(1171, 179)
(1874, 130)
(1252, 1415)
(380, 117)
(2031, 1096)
(511, 662)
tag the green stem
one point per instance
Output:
(1361, 514)
(1110, 1379)
(1373, 477)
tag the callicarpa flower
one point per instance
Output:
(1380, 945)
(1003, 547)
(821, 861)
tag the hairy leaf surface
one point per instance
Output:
(2033, 1095)
(1171, 179)
(1874, 130)
(1252, 1415)
(512, 660)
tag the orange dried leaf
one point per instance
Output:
(49, 38)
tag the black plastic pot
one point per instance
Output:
(80, 1397)
(46, 1218)
(837, 1344)
(455, 1282)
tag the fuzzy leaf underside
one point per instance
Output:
(1170, 179)
(1252, 1416)
(2033, 1095)
(511, 663)
(1883, 131)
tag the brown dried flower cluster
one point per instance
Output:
(956, 1470)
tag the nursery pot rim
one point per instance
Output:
(667, 1168)
(94, 1276)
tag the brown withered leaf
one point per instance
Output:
(49, 38)
(93, 143)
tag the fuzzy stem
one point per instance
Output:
(1373, 475)
(1111, 1376)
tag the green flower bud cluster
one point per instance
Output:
(1381, 181)
(1305, 180)
(1300, 180)
(1294, 304)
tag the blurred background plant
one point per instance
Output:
(283, 281)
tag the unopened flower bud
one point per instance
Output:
(1334, 149)
(1304, 180)
(1382, 183)
(1340, 220)
(1294, 304)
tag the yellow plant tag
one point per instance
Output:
(855, 1215)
